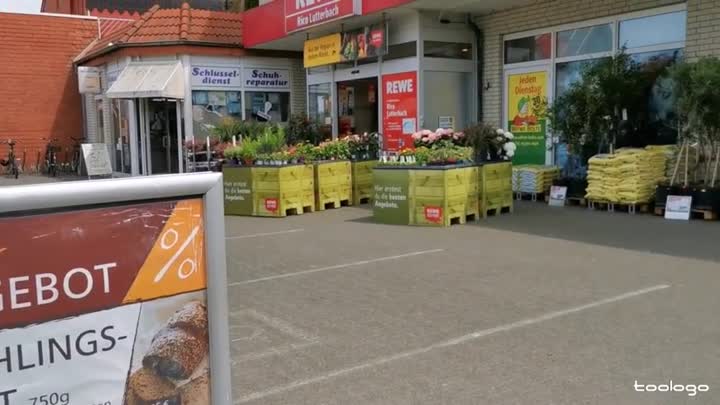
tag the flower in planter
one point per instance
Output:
(509, 135)
(500, 132)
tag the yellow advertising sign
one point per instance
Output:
(521, 90)
(528, 124)
(322, 51)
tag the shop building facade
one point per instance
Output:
(174, 75)
(483, 60)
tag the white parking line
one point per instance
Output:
(258, 235)
(335, 267)
(448, 343)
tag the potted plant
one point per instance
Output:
(589, 115)
(698, 103)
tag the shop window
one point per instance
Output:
(210, 107)
(653, 30)
(399, 51)
(318, 69)
(448, 50)
(584, 40)
(320, 106)
(267, 106)
(660, 95)
(536, 47)
(567, 73)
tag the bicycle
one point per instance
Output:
(51, 151)
(11, 162)
(76, 155)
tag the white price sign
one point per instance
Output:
(678, 207)
(97, 159)
(558, 195)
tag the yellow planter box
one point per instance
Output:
(269, 191)
(333, 184)
(495, 187)
(362, 181)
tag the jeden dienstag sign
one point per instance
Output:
(303, 14)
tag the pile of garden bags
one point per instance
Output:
(533, 178)
(627, 177)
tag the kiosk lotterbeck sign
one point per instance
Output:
(113, 292)
(303, 14)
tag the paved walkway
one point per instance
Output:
(558, 306)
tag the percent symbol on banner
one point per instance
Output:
(167, 241)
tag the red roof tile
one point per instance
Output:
(184, 24)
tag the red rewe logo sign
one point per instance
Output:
(433, 214)
(399, 109)
(303, 14)
(271, 204)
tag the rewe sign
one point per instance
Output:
(399, 86)
(303, 14)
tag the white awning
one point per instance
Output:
(143, 80)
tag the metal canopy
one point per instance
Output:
(143, 80)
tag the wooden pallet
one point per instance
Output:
(305, 210)
(497, 211)
(615, 207)
(330, 205)
(707, 215)
(362, 200)
(532, 196)
(576, 201)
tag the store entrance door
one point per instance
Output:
(162, 136)
(358, 106)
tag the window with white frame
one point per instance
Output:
(654, 38)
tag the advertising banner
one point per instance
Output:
(303, 14)
(113, 311)
(322, 51)
(362, 43)
(391, 196)
(399, 110)
(529, 130)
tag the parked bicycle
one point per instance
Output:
(51, 162)
(11, 162)
(76, 155)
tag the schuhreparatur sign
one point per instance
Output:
(262, 78)
(303, 14)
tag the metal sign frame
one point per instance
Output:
(28, 200)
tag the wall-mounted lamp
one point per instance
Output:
(487, 85)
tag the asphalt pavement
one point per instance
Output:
(545, 306)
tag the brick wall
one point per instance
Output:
(703, 30)
(38, 91)
(556, 12)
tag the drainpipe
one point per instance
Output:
(479, 45)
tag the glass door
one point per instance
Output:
(162, 132)
(523, 116)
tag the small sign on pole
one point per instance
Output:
(97, 160)
(678, 207)
(558, 195)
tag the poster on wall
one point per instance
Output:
(113, 312)
(362, 43)
(399, 110)
(524, 122)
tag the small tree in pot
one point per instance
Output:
(697, 86)
(589, 115)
